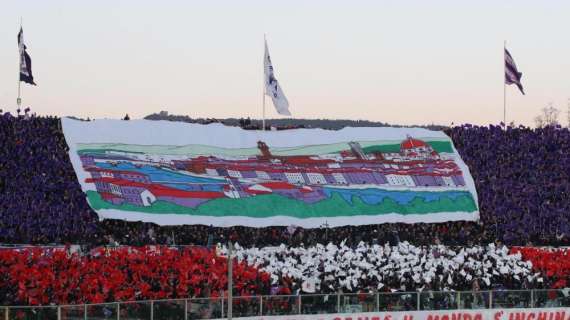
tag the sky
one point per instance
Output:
(402, 62)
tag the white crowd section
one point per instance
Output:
(405, 267)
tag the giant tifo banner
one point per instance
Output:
(179, 173)
(487, 314)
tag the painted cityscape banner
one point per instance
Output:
(178, 173)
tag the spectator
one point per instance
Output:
(45, 276)
(521, 177)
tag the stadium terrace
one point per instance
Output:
(520, 208)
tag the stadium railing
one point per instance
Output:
(251, 306)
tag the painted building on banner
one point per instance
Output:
(299, 177)
(87, 160)
(120, 191)
(128, 187)
(98, 173)
(417, 164)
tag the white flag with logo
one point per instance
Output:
(272, 87)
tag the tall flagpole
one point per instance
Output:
(230, 280)
(263, 90)
(19, 100)
(504, 87)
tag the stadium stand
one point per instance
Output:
(43, 276)
(521, 175)
(553, 263)
(40, 198)
(404, 267)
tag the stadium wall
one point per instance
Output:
(488, 314)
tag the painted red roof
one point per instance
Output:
(278, 185)
(304, 160)
(410, 143)
(108, 196)
(104, 180)
(160, 190)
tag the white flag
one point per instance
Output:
(272, 87)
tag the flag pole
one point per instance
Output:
(504, 87)
(263, 88)
(19, 100)
(230, 281)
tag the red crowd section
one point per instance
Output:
(554, 264)
(40, 277)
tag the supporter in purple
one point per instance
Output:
(522, 179)
(521, 175)
(40, 198)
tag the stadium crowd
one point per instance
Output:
(40, 198)
(43, 276)
(521, 176)
(553, 263)
(404, 267)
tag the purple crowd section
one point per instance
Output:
(521, 176)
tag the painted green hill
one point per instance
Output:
(439, 146)
(264, 206)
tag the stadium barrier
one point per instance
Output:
(397, 305)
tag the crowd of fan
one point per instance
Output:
(40, 276)
(404, 267)
(40, 198)
(553, 263)
(451, 233)
(521, 177)
(43, 276)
